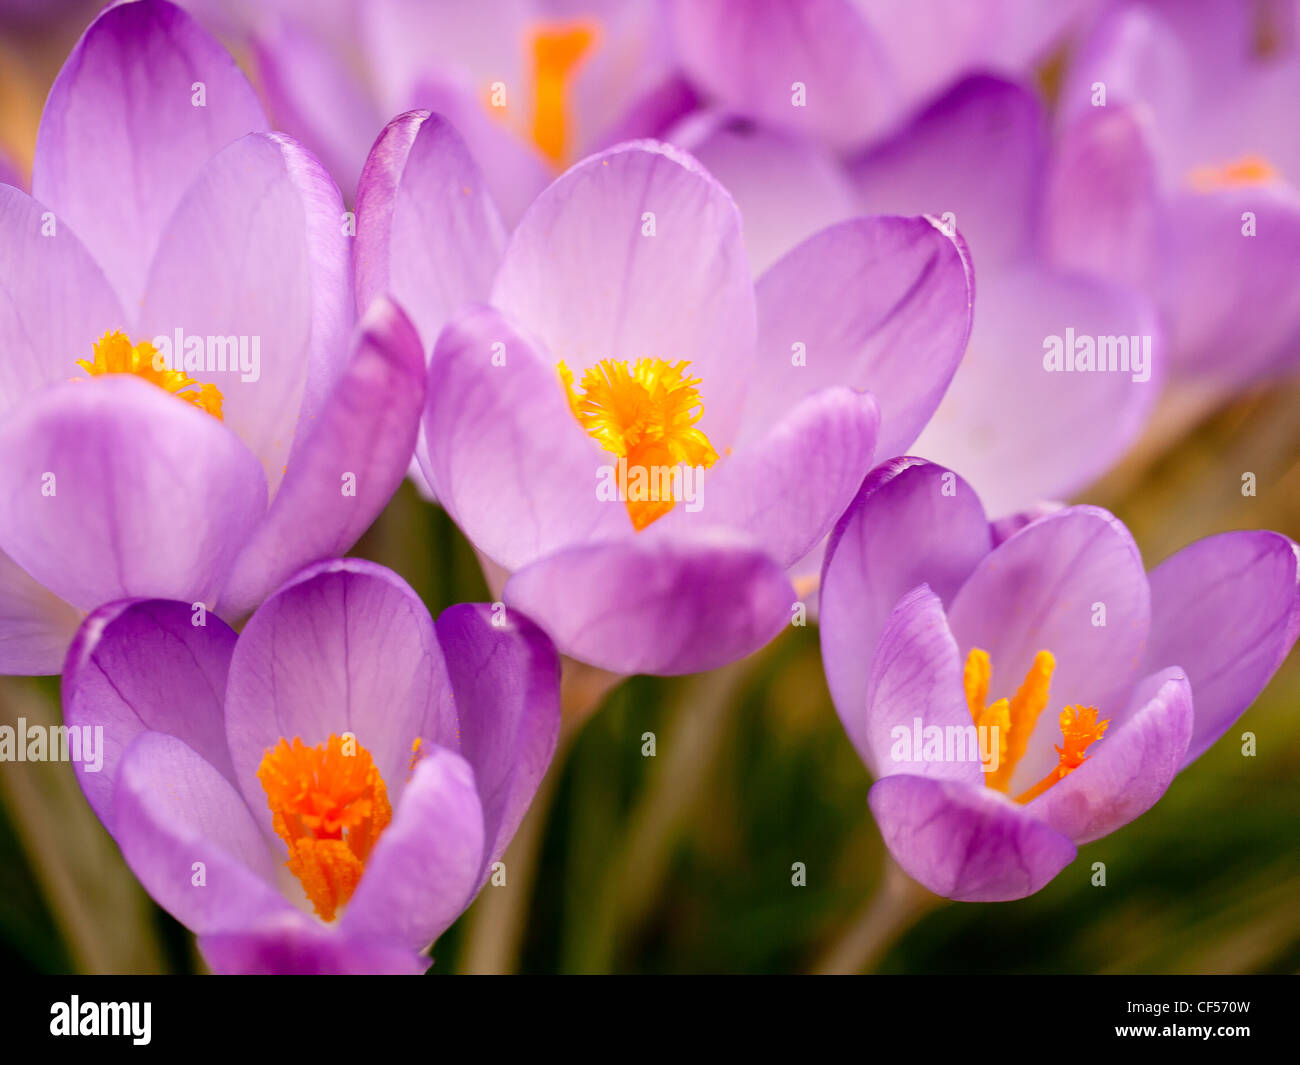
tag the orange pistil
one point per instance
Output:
(1248, 170)
(557, 50)
(114, 353)
(1079, 729)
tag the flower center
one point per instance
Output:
(1014, 720)
(329, 805)
(557, 50)
(646, 415)
(114, 353)
(1248, 170)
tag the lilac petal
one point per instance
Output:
(256, 250)
(749, 55)
(1020, 433)
(912, 523)
(505, 675)
(882, 304)
(1225, 609)
(346, 646)
(54, 301)
(1234, 307)
(1102, 210)
(789, 487)
(787, 188)
(1129, 768)
(978, 153)
(143, 666)
(583, 274)
(1008, 525)
(425, 868)
(915, 684)
(111, 488)
(504, 453)
(121, 127)
(1045, 589)
(171, 811)
(36, 627)
(316, 99)
(342, 474)
(656, 604)
(292, 944)
(964, 842)
(9, 172)
(428, 232)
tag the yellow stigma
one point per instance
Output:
(557, 50)
(1248, 170)
(1014, 719)
(329, 805)
(647, 415)
(114, 353)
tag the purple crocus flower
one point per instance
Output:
(188, 408)
(327, 791)
(622, 333)
(931, 617)
(1180, 171)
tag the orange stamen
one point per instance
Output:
(114, 353)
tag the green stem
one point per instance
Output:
(899, 902)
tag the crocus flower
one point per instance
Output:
(1180, 170)
(531, 84)
(1103, 680)
(274, 432)
(622, 333)
(327, 791)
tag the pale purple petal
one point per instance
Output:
(425, 868)
(1073, 584)
(1226, 610)
(344, 471)
(36, 626)
(505, 675)
(112, 488)
(882, 304)
(122, 136)
(144, 666)
(345, 647)
(187, 835)
(584, 273)
(256, 252)
(912, 523)
(293, 944)
(657, 604)
(1129, 768)
(504, 453)
(964, 842)
(54, 301)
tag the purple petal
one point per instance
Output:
(979, 153)
(789, 487)
(882, 304)
(121, 137)
(144, 666)
(36, 627)
(662, 605)
(256, 250)
(172, 811)
(1129, 768)
(111, 488)
(968, 843)
(1020, 433)
(428, 232)
(320, 658)
(1226, 610)
(342, 474)
(54, 301)
(1045, 588)
(292, 944)
(505, 675)
(912, 523)
(504, 453)
(915, 684)
(749, 55)
(425, 868)
(585, 276)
